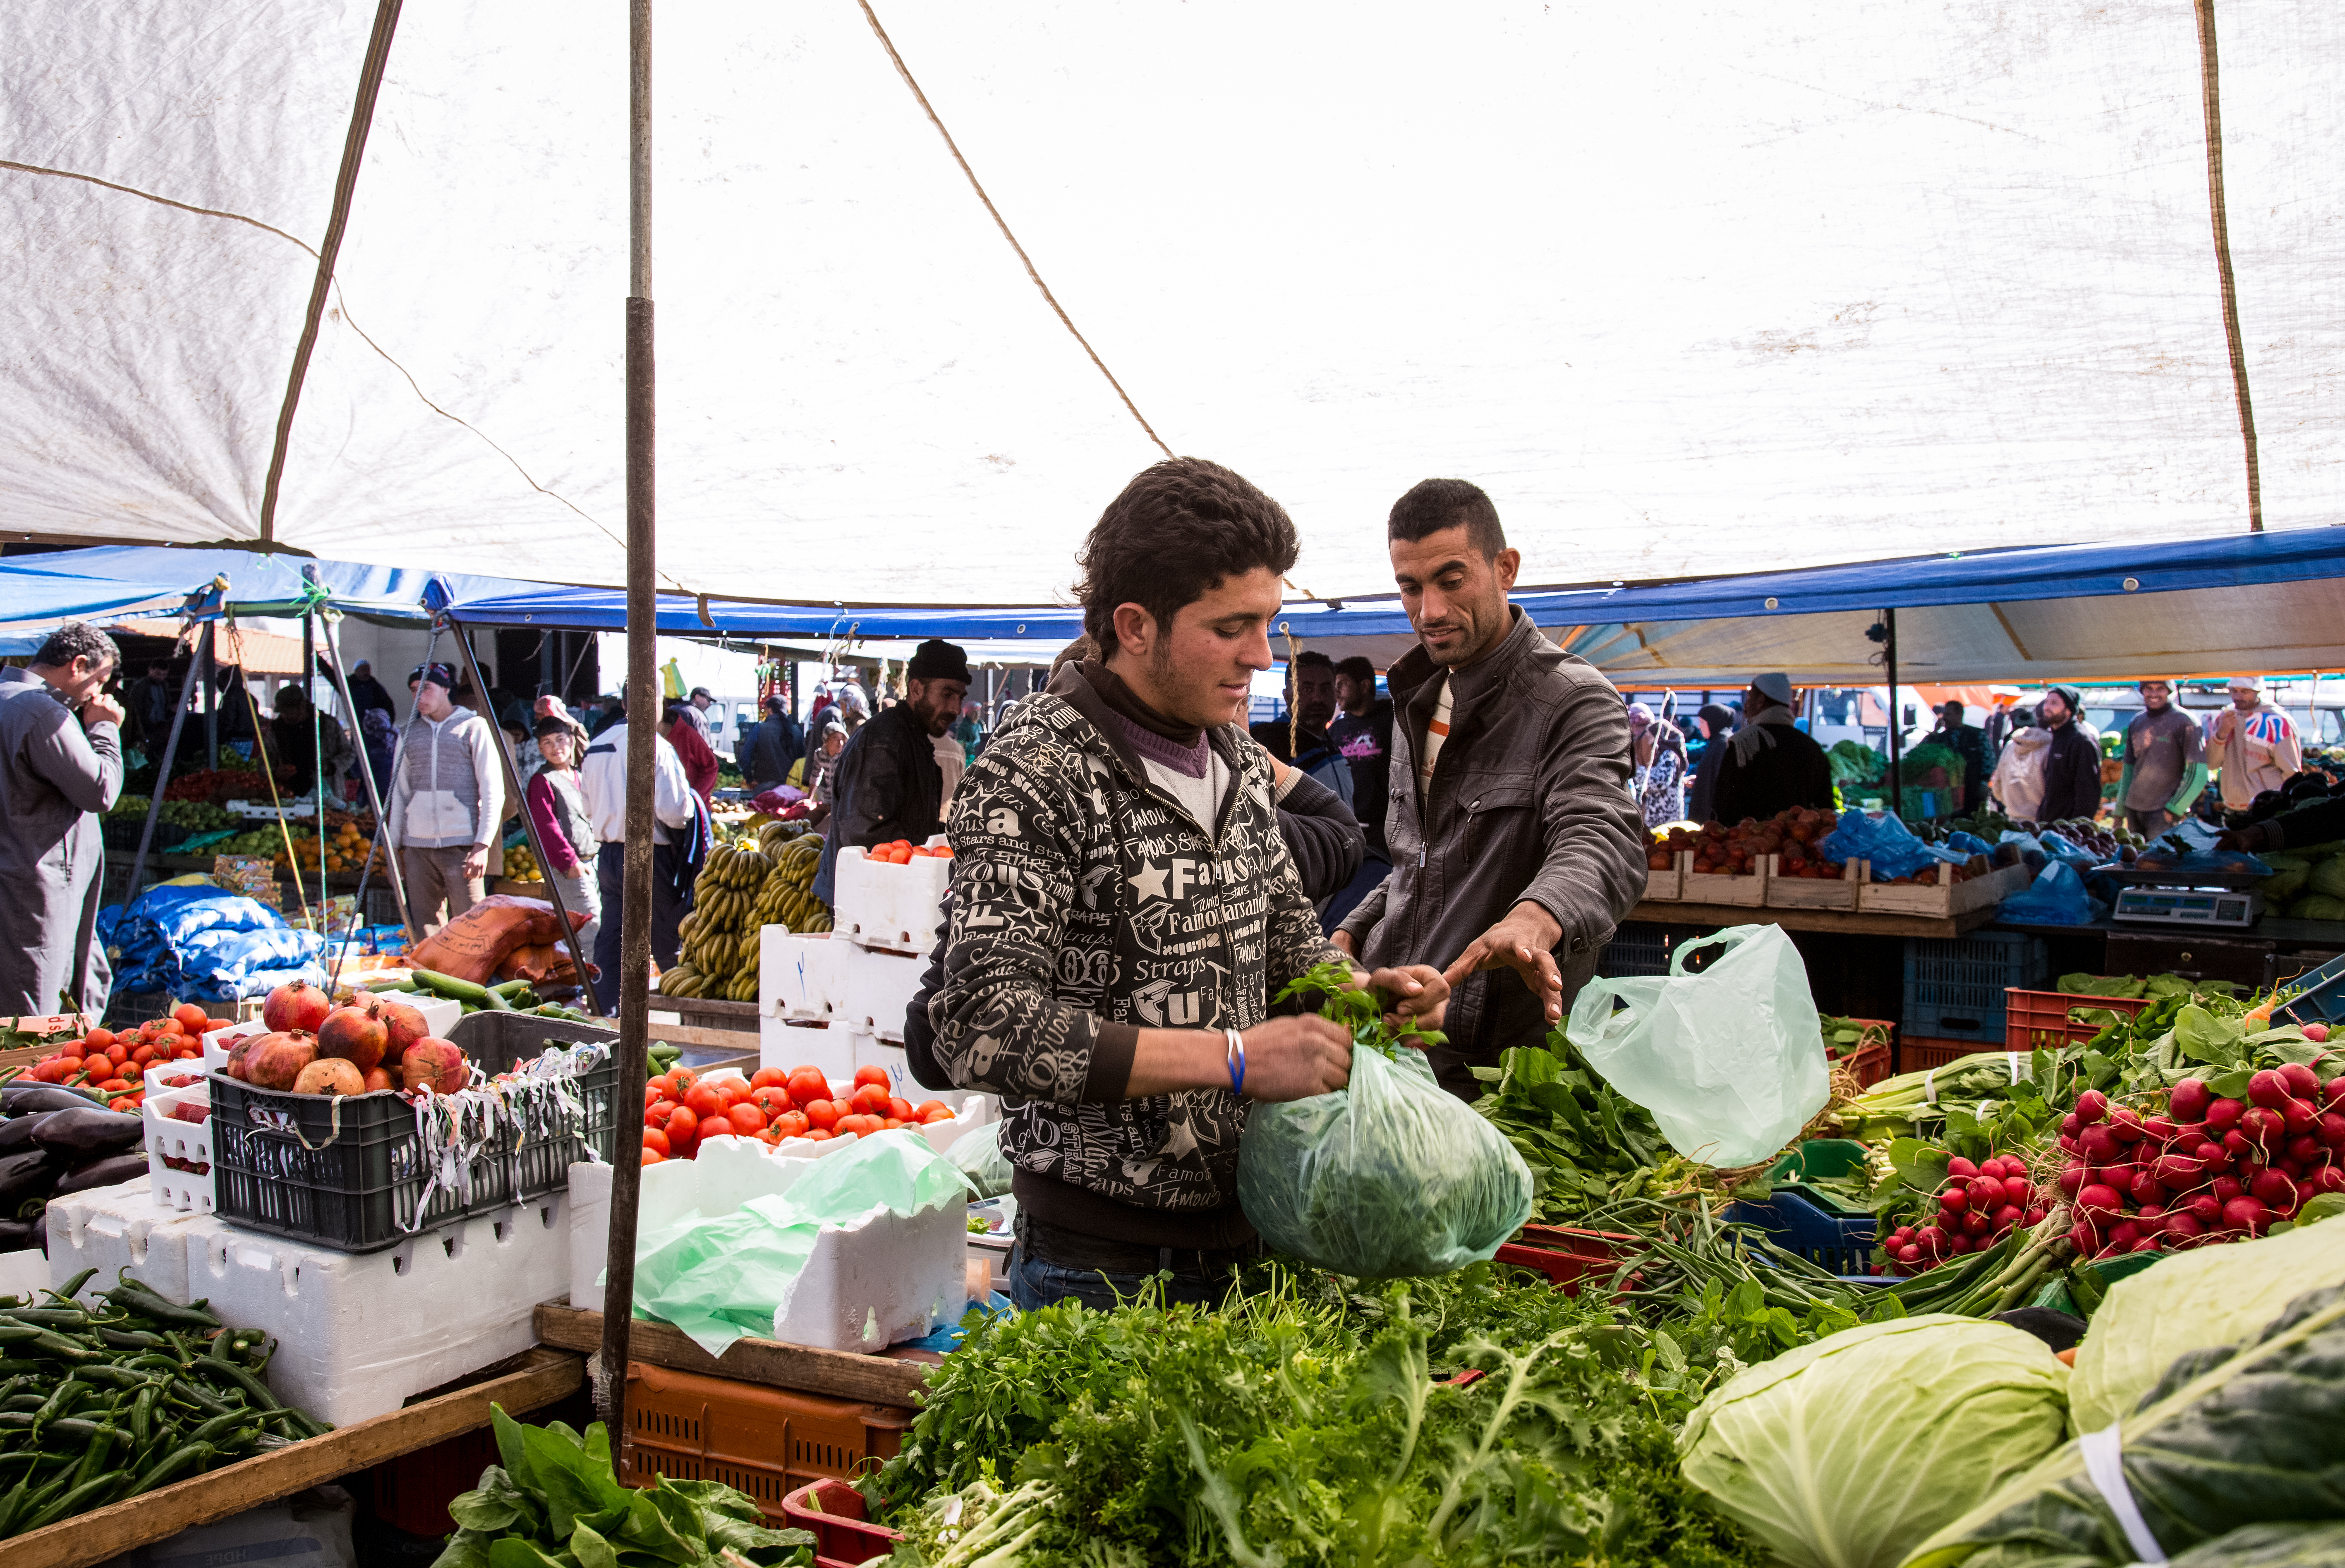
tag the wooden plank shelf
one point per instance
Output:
(878, 1380)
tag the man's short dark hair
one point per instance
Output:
(1179, 528)
(1312, 659)
(1357, 670)
(1434, 504)
(1952, 711)
(77, 639)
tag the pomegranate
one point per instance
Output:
(380, 1079)
(243, 1048)
(330, 1076)
(405, 1022)
(434, 1065)
(275, 1060)
(358, 1035)
(296, 1006)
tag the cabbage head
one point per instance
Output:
(2318, 906)
(1850, 1452)
(2193, 1301)
(2289, 874)
(2327, 877)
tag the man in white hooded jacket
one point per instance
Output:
(447, 803)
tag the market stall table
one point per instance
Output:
(1846, 922)
(881, 1379)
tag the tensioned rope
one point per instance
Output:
(1000, 222)
(2212, 98)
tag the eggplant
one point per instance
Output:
(17, 1132)
(16, 1099)
(30, 1175)
(86, 1132)
(111, 1171)
(16, 1235)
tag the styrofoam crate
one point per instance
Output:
(23, 1273)
(360, 1332)
(158, 1078)
(111, 1229)
(878, 904)
(830, 1047)
(798, 976)
(879, 988)
(167, 1138)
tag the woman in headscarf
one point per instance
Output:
(1659, 750)
(2018, 778)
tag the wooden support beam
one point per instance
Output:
(878, 1380)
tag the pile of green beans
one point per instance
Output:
(102, 1402)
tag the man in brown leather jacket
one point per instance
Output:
(1516, 846)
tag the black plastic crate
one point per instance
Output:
(1634, 950)
(129, 1009)
(1955, 987)
(124, 832)
(355, 1176)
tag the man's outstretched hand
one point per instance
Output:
(1522, 941)
(1410, 992)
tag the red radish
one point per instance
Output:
(2099, 1145)
(2072, 1124)
(2092, 1105)
(1975, 1223)
(2237, 1145)
(2246, 1214)
(2068, 1145)
(2328, 1178)
(2072, 1177)
(2183, 1226)
(2082, 1237)
(2299, 1116)
(2274, 1189)
(2015, 1189)
(2335, 1093)
(2119, 1176)
(2266, 1089)
(1909, 1254)
(2124, 1236)
(2331, 1131)
(1985, 1191)
(2263, 1126)
(2177, 1170)
(2160, 1129)
(1955, 1199)
(2007, 1217)
(2226, 1188)
(2190, 1098)
(2034, 1217)
(2291, 1170)
(2146, 1244)
(2307, 1150)
(1959, 1167)
(2098, 1202)
(2222, 1116)
(2147, 1188)
(2125, 1122)
(2206, 1208)
(2299, 1080)
(2316, 1033)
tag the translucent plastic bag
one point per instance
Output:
(1727, 1060)
(1389, 1176)
(978, 1156)
(1882, 840)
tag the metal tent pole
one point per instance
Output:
(163, 771)
(374, 792)
(643, 716)
(1896, 740)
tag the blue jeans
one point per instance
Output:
(669, 911)
(1035, 1283)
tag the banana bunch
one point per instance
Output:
(744, 887)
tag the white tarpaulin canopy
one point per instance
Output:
(1700, 290)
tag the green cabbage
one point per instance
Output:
(2192, 1301)
(1848, 1451)
(2318, 906)
(2290, 873)
(2327, 877)
(2249, 1546)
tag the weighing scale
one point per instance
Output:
(2204, 899)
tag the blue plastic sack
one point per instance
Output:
(1968, 845)
(1882, 840)
(2220, 862)
(2056, 897)
(2062, 848)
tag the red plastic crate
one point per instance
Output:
(412, 1492)
(1870, 1061)
(834, 1512)
(1567, 1255)
(764, 1441)
(1918, 1053)
(2033, 1018)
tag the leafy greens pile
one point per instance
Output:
(556, 1504)
(1587, 1145)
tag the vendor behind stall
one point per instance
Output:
(60, 765)
(1769, 766)
(1124, 908)
(888, 784)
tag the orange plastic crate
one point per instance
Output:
(1567, 1255)
(1870, 1061)
(764, 1441)
(2033, 1018)
(1918, 1053)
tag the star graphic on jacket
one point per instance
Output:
(1150, 881)
(1181, 1138)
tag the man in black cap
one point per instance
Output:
(888, 784)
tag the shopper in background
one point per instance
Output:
(2254, 748)
(1769, 766)
(678, 825)
(701, 765)
(1968, 743)
(152, 702)
(60, 766)
(820, 764)
(549, 706)
(1659, 759)
(2165, 762)
(1361, 731)
(378, 722)
(1301, 738)
(2018, 779)
(889, 785)
(771, 747)
(447, 803)
(609, 709)
(970, 731)
(698, 703)
(1716, 723)
(565, 828)
(2072, 763)
(1515, 843)
(295, 743)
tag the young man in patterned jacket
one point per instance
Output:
(1123, 909)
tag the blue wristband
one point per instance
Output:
(1235, 1060)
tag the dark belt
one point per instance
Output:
(1065, 1249)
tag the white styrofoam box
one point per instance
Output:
(878, 904)
(167, 1138)
(23, 1273)
(114, 1228)
(828, 1048)
(798, 976)
(881, 1280)
(220, 1042)
(360, 1332)
(880, 986)
(723, 1174)
(158, 1078)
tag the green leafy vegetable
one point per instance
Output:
(1584, 1144)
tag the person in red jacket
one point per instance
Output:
(693, 750)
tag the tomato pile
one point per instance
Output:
(115, 1065)
(903, 852)
(682, 1112)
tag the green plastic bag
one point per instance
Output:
(1389, 1176)
(978, 1156)
(1726, 1060)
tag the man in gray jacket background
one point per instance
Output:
(447, 803)
(60, 763)
(1516, 843)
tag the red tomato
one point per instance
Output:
(772, 1099)
(705, 1102)
(188, 1053)
(653, 1138)
(117, 1053)
(935, 1112)
(868, 1097)
(899, 1108)
(683, 1127)
(652, 1155)
(926, 1105)
(818, 1134)
(735, 1090)
(71, 1049)
(191, 1017)
(115, 1087)
(890, 1123)
(97, 1040)
(656, 1115)
(822, 1113)
(683, 1078)
(807, 1084)
(141, 1056)
(664, 1084)
(769, 1077)
(791, 1124)
(653, 1094)
(747, 1118)
(870, 1075)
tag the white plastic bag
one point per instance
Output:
(1729, 1061)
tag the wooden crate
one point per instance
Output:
(1667, 886)
(1812, 893)
(1944, 898)
(1709, 888)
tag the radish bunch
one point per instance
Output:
(2207, 1169)
(1978, 1208)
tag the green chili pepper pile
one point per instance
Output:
(104, 1401)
